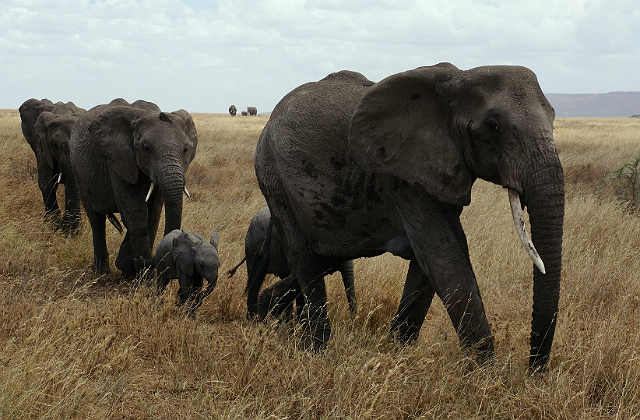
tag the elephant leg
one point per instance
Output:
(71, 217)
(100, 253)
(314, 317)
(278, 298)
(415, 302)
(440, 247)
(346, 270)
(188, 291)
(48, 183)
(134, 214)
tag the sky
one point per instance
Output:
(204, 55)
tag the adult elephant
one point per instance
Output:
(252, 110)
(233, 110)
(261, 229)
(52, 133)
(31, 109)
(351, 169)
(131, 159)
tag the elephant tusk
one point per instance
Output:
(59, 178)
(186, 192)
(149, 193)
(518, 219)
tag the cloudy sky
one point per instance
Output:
(203, 55)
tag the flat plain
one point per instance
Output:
(74, 344)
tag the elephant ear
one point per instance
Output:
(183, 253)
(190, 131)
(401, 128)
(214, 239)
(112, 135)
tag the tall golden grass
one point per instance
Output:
(73, 344)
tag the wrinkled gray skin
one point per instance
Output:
(252, 110)
(47, 127)
(189, 258)
(353, 169)
(31, 109)
(233, 110)
(117, 151)
(260, 229)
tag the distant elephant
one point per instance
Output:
(233, 110)
(131, 159)
(244, 113)
(260, 229)
(51, 133)
(31, 109)
(252, 110)
(189, 258)
(354, 169)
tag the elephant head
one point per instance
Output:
(30, 110)
(192, 254)
(441, 128)
(157, 147)
(52, 133)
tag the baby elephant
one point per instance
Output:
(189, 258)
(259, 229)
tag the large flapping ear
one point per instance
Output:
(40, 133)
(183, 253)
(112, 134)
(401, 128)
(191, 132)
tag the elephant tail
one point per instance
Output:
(259, 269)
(234, 269)
(115, 222)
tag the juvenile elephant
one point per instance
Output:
(31, 109)
(244, 113)
(52, 133)
(261, 229)
(233, 110)
(131, 159)
(252, 110)
(353, 169)
(189, 258)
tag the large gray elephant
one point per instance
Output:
(233, 110)
(131, 159)
(188, 257)
(252, 110)
(353, 169)
(31, 109)
(52, 133)
(261, 229)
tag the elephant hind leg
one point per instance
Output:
(416, 300)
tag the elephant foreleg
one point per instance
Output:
(278, 298)
(314, 317)
(100, 253)
(415, 302)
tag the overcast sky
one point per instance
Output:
(203, 55)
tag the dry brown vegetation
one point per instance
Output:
(73, 344)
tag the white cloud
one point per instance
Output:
(202, 55)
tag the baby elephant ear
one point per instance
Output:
(401, 128)
(214, 239)
(183, 253)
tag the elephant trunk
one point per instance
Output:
(71, 218)
(544, 198)
(172, 187)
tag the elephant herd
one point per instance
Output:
(251, 110)
(349, 168)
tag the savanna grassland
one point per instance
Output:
(74, 344)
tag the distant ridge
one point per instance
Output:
(608, 105)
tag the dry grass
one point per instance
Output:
(76, 345)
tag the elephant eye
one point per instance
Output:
(186, 149)
(492, 123)
(146, 146)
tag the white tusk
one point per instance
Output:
(149, 193)
(59, 178)
(518, 219)
(186, 192)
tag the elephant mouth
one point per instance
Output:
(521, 228)
(152, 187)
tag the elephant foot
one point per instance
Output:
(70, 224)
(315, 339)
(54, 219)
(403, 332)
(127, 266)
(101, 268)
